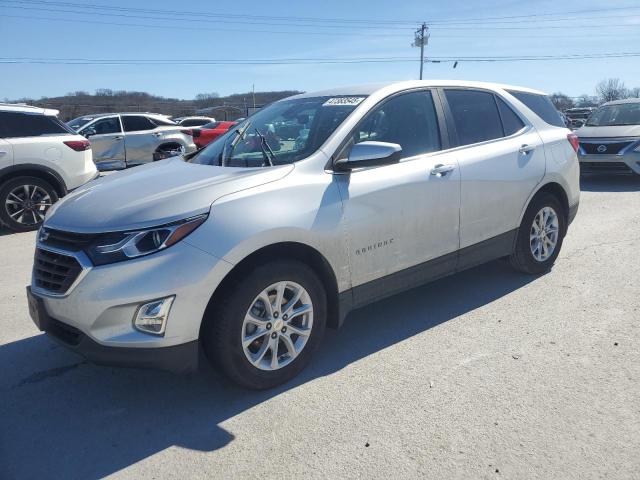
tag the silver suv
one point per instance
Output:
(121, 140)
(610, 138)
(252, 246)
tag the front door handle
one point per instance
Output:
(526, 148)
(117, 138)
(441, 169)
(3, 153)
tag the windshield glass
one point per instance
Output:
(612, 115)
(281, 133)
(78, 123)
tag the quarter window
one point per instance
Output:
(409, 120)
(541, 106)
(475, 115)
(511, 122)
(136, 124)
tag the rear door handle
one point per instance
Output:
(441, 170)
(526, 148)
(117, 138)
(3, 153)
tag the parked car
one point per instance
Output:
(577, 116)
(193, 121)
(121, 140)
(250, 253)
(610, 139)
(206, 134)
(41, 159)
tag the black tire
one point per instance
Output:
(522, 258)
(222, 332)
(31, 220)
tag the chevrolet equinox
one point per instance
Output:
(315, 205)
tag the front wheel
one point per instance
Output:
(540, 235)
(267, 325)
(24, 201)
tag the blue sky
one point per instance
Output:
(59, 31)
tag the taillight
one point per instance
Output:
(78, 145)
(187, 132)
(574, 141)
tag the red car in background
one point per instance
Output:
(206, 134)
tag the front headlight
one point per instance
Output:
(118, 246)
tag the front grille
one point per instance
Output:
(54, 272)
(66, 240)
(603, 148)
(604, 167)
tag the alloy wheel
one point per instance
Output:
(277, 326)
(543, 236)
(27, 204)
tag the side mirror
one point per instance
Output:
(370, 154)
(89, 132)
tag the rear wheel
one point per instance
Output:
(267, 326)
(540, 235)
(168, 151)
(24, 201)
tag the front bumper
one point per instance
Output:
(100, 307)
(628, 163)
(178, 358)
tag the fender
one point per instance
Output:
(24, 168)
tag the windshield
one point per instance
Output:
(613, 115)
(281, 133)
(78, 123)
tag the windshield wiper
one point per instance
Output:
(267, 153)
(239, 135)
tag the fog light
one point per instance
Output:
(152, 317)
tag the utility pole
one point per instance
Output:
(421, 39)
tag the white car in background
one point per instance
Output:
(122, 140)
(193, 121)
(41, 159)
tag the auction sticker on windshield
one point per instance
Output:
(341, 101)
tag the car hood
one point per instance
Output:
(153, 194)
(608, 132)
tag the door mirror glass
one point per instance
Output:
(370, 154)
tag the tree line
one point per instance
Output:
(104, 100)
(606, 91)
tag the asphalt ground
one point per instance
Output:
(486, 374)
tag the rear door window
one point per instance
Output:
(409, 120)
(133, 123)
(18, 125)
(541, 106)
(475, 115)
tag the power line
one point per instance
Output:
(246, 19)
(302, 61)
(576, 36)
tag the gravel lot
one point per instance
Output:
(487, 374)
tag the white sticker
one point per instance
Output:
(343, 101)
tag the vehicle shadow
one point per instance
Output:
(5, 231)
(77, 420)
(610, 183)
